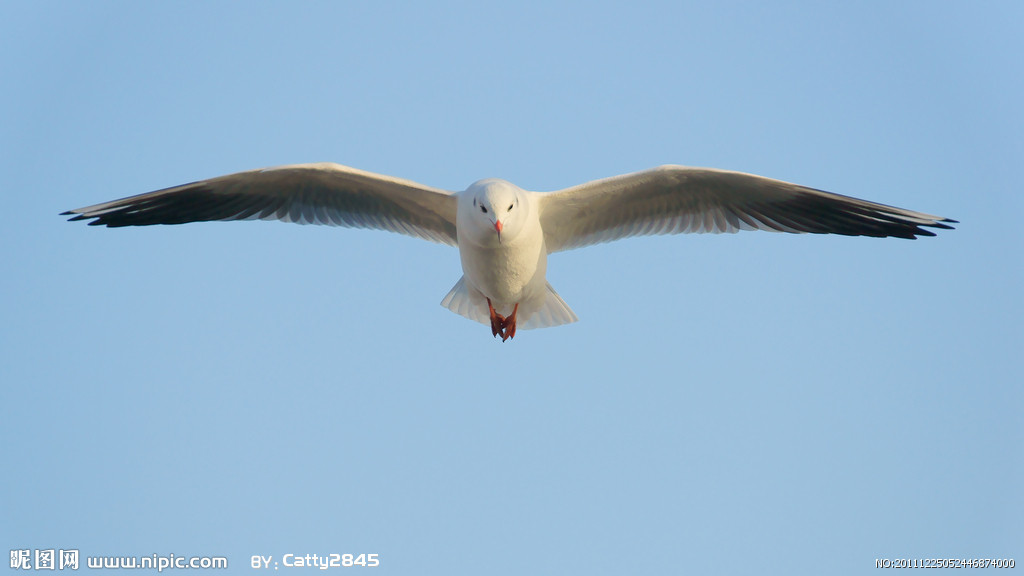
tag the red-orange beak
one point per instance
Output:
(497, 226)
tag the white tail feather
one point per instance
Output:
(553, 312)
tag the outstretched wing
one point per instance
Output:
(677, 199)
(324, 193)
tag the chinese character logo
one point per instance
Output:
(44, 559)
(69, 559)
(21, 560)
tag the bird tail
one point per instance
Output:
(553, 312)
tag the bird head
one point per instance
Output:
(492, 210)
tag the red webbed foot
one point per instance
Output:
(508, 325)
(500, 325)
(497, 322)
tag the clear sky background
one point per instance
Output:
(749, 403)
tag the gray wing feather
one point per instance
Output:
(677, 199)
(325, 193)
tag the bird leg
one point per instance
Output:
(497, 321)
(508, 325)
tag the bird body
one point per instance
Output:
(504, 233)
(516, 259)
(504, 257)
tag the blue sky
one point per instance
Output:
(726, 404)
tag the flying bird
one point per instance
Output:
(504, 233)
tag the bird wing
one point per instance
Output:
(324, 193)
(678, 199)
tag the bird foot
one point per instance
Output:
(497, 321)
(508, 326)
(501, 325)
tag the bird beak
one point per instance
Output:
(497, 226)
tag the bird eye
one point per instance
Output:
(510, 206)
(483, 209)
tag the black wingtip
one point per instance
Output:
(944, 224)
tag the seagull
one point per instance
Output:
(504, 233)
